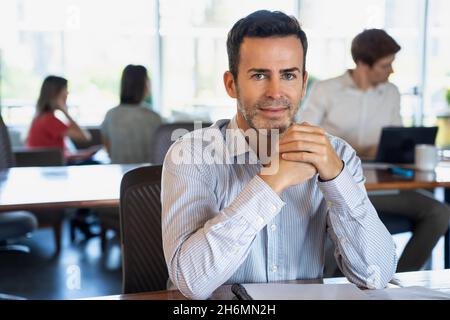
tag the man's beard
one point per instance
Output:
(251, 113)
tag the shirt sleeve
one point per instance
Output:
(56, 127)
(104, 126)
(365, 250)
(396, 118)
(203, 244)
(314, 109)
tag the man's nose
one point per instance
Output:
(273, 89)
(391, 70)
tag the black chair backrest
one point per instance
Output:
(6, 155)
(38, 157)
(96, 139)
(163, 139)
(144, 266)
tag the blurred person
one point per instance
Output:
(356, 106)
(128, 128)
(47, 130)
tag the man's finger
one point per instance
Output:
(303, 136)
(306, 128)
(306, 146)
(307, 157)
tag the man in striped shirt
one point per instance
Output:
(243, 207)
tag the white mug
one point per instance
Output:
(426, 157)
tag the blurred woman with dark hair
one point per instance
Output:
(127, 129)
(46, 129)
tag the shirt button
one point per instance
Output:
(236, 249)
(273, 227)
(330, 204)
(343, 239)
(273, 209)
(274, 268)
(260, 220)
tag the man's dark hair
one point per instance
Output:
(262, 24)
(132, 86)
(372, 45)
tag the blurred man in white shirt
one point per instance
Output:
(356, 106)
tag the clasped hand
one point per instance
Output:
(303, 151)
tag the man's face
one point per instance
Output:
(381, 70)
(270, 82)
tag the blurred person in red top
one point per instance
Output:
(46, 129)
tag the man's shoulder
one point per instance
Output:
(391, 88)
(331, 82)
(196, 141)
(201, 133)
(342, 147)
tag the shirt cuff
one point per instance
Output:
(342, 191)
(257, 203)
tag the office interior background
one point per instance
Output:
(183, 45)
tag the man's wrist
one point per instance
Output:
(325, 179)
(273, 183)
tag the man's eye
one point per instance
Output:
(259, 76)
(289, 76)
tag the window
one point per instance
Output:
(183, 45)
(332, 25)
(437, 75)
(87, 42)
(194, 53)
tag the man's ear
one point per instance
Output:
(363, 66)
(305, 81)
(230, 84)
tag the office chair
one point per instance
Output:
(396, 223)
(96, 139)
(45, 218)
(162, 139)
(16, 223)
(38, 157)
(161, 142)
(144, 266)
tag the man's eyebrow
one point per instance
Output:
(291, 70)
(258, 70)
(262, 70)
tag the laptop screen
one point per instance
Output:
(397, 143)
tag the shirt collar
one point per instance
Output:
(235, 134)
(349, 83)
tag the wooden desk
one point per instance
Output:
(437, 280)
(98, 185)
(384, 180)
(31, 188)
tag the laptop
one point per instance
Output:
(397, 144)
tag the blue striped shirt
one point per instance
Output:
(222, 224)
